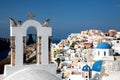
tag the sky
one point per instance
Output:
(67, 16)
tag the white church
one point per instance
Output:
(105, 67)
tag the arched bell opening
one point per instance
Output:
(30, 46)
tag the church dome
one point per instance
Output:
(86, 68)
(32, 74)
(97, 66)
(104, 45)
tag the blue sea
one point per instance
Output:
(56, 40)
(53, 40)
(4, 53)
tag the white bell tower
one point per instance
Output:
(18, 43)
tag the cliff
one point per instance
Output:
(29, 57)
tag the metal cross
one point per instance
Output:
(30, 15)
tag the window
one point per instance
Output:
(86, 76)
(98, 53)
(117, 41)
(30, 41)
(104, 53)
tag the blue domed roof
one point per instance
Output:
(97, 66)
(104, 45)
(86, 68)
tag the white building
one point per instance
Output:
(116, 46)
(104, 51)
(86, 72)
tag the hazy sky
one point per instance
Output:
(66, 16)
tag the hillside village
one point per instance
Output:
(89, 55)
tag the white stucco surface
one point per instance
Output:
(76, 77)
(32, 74)
(113, 76)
